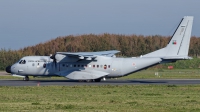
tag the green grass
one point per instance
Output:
(165, 74)
(127, 98)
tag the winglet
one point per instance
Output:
(178, 46)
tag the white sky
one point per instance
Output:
(29, 22)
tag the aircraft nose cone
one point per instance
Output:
(8, 69)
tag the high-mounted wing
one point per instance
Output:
(89, 55)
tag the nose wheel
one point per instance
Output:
(26, 78)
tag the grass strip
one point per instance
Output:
(106, 98)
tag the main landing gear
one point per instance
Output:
(91, 80)
(26, 78)
(97, 80)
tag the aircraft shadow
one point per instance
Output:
(103, 82)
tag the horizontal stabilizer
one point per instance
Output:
(177, 58)
(82, 74)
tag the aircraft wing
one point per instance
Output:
(82, 74)
(89, 55)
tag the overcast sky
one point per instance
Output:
(29, 22)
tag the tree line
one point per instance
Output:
(129, 45)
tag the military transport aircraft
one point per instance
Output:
(94, 66)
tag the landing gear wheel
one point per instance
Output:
(26, 78)
(89, 80)
(97, 80)
(81, 80)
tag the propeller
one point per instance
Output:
(45, 64)
(54, 60)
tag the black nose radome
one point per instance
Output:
(8, 69)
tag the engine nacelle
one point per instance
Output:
(60, 57)
(114, 56)
(64, 58)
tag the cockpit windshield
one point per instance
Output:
(22, 62)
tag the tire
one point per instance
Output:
(97, 80)
(26, 78)
(89, 80)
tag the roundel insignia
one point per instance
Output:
(174, 42)
(133, 64)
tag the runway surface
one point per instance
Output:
(107, 82)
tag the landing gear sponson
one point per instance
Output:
(91, 80)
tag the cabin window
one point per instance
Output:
(63, 65)
(105, 67)
(97, 66)
(78, 65)
(38, 63)
(85, 65)
(82, 65)
(74, 65)
(93, 66)
(33, 64)
(108, 66)
(101, 66)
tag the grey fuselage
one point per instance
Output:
(116, 67)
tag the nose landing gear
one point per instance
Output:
(26, 78)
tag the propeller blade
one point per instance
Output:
(54, 60)
(55, 63)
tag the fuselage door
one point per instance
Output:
(116, 67)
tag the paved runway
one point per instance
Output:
(107, 82)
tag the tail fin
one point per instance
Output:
(178, 46)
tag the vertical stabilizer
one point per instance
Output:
(178, 46)
(179, 43)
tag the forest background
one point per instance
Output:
(129, 45)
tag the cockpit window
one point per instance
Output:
(22, 62)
